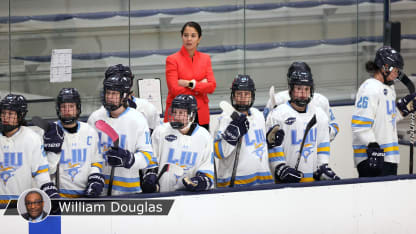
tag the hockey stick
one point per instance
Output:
(109, 131)
(272, 97)
(309, 126)
(169, 167)
(228, 109)
(44, 124)
(164, 169)
(411, 87)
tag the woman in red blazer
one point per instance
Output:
(189, 71)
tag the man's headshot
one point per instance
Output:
(34, 202)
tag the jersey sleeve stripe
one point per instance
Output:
(218, 150)
(151, 162)
(307, 177)
(359, 147)
(335, 126)
(123, 179)
(361, 122)
(98, 165)
(124, 189)
(247, 180)
(71, 193)
(390, 145)
(360, 151)
(363, 119)
(41, 169)
(124, 186)
(323, 144)
(209, 174)
(276, 154)
(324, 148)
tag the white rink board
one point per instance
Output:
(350, 208)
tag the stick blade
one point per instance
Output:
(272, 96)
(38, 121)
(108, 130)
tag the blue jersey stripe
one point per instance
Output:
(356, 117)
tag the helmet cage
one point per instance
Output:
(15, 103)
(68, 95)
(304, 78)
(393, 59)
(242, 82)
(185, 102)
(116, 83)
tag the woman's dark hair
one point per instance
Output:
(194, 25)
(371, 67)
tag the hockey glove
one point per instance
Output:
(407, 104)
(198, 183)
(50, 189)
(95, 185)
(375, 158)
(53, 138)
(325, 173)
(118, 157)
(236, 129)
(275, 136)
(287, 174)
(149, 184)
(131, 103)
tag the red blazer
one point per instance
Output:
(180, 66)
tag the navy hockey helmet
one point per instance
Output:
(389, 56)
(299, 73)
(183, 101)
(68, 95)
(242, 82)
(120, 69)
(119, 83)
(393, 59)
(15, 103)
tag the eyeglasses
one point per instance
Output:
(36, 203)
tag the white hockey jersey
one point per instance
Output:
(78, 159)
(316, 149)
(318, 100)
(192, 153)
(134, 136)
(149, 111)
(21, 158)
(374, 120)
(253, 165)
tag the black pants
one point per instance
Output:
(365, 171)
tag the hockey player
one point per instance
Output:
(184, 143)
(135, 150)
(374, 131)
(317, 99)
(22, 156)
(246, 131)
(71, 148)
(292, 118)
(148, 110)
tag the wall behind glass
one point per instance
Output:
(261, 38)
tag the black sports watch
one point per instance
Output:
(191, 84)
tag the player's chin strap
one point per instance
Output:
(190, 121)
(180, 126)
